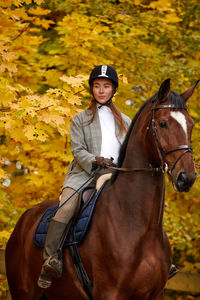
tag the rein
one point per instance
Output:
(159, 169)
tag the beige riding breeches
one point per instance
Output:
(67, 211)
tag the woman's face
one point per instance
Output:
(102, 89)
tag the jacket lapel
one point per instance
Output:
(117, 133)
(96, 132)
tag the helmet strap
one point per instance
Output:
(102, 104)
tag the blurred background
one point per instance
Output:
(47, 50)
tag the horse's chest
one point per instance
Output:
(151, 272)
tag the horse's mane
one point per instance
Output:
(172, 98)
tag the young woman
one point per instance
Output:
(96, 136)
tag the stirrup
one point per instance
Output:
(53, 267)
(44, 281)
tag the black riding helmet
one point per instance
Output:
(104, 71)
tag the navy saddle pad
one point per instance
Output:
(79, 229)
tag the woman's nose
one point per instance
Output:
(101, 90)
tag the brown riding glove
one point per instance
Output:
(102, 162)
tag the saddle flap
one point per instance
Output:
(87, 194)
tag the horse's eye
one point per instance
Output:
(163, 124)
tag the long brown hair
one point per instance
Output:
(116, 113)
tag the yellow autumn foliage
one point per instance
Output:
(47, 49)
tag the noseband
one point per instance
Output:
(161, 151)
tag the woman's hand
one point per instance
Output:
(102, 162)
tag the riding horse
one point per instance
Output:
(126, 252)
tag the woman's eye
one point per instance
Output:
(163, 124)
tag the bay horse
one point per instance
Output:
(126, 252)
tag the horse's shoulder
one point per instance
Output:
(42, 206)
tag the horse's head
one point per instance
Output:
(170, 139)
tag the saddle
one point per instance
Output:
(84, 198)
(88, 199)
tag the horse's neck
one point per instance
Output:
(140, 198)
(139, 195)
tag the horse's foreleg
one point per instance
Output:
(21, 295)
(102, 294)
(116, 295)
(43, 298)
(22, 280)
(112, 295)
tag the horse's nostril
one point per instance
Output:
(182, 177)
(184, 182)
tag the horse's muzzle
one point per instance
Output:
(184, 182)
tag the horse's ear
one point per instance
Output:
(188, 93)
(164, 90)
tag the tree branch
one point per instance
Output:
(170, 55)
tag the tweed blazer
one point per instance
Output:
(85, 145)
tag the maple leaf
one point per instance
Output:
(74, 81)
(49, 118)
(33, 133)
(172, 18)
(7, 56)
(44, 23)
(161, 4)
(29, 132)
(39, 11)
(123, 78)
(11, 67)
(17, 2)
(18, 14)
(74, 99)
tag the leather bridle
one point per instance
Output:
(161, 151)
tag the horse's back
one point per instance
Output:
(23, 258)
(26, 225)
